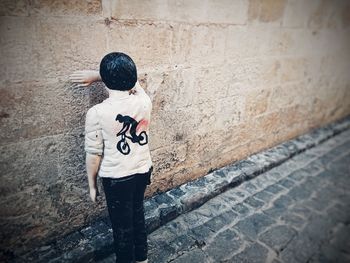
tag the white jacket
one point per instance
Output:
(118, 129)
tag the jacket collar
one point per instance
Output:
(118, 94)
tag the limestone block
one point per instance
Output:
(297, 12)
(267, 123)
(320, 14)
(196, 11)
(146, 43)
(266, 10)
(59, 8)
(183, 86)
(257, 101)
(49, 47)
(293, 69)
(32, 110)
(187, 39)
(229, 111)
(71, 157)
(345, 16)
(245, 41)
(290, 41)
(272, 10)
(284, 95)
(327, 14)
(13, 8)
(27, 164)
(17, 36)
(204, 118)
(43, 197)
(212, 83)
(63, 45)
(255, 73)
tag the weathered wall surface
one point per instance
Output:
(227, 79)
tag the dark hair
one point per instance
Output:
(118, 71)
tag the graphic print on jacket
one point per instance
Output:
(129, 124)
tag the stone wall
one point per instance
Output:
(227, 79)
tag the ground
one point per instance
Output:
(298, 211)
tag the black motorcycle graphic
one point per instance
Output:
(129, 124)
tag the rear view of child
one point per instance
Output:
(116, 145)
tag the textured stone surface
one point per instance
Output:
(227, 79)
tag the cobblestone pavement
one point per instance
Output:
(298, 211)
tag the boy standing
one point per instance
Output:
(116, 145)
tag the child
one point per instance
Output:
(116, 145)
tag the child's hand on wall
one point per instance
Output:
(84, 77)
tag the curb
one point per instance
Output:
(95, 242)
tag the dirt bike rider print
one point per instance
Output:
(129, 124)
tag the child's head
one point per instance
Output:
(118, 71)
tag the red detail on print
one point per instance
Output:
(143, 124)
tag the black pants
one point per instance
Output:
(124, 197)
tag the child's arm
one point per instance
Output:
(85, 77)
(92, 166)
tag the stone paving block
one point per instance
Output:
(298, 175)
(304, 158)
(201, 233)
(338, 213)
(241, 209)
(299, 249)
(217, 222)
(274, 174)
(229, 197)
(70, 241)
(318, 228)
(264, 196)
(239, 194)
(249, 168)
(302, 211)
(274, 189)
(299, 193)
(314, 167)
(182, 243)
(283, 201)
(95, 229)
(160, 253)
(253, 225)
(194, 255)
(277, 237)
(293, 220)
(286, 183)
(223, 245)
(253, 253)
(253, 202)
(250, 187)
(219, 204)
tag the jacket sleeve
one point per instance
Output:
(93, 133)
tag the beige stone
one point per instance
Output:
(13, 8)
(145, 44)
(293, 69)
(257, 101)
(272, 10)
(65, 7)
(297, 12)
(254, 9)
(195, 11)
(31, 110)
(345, 18)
